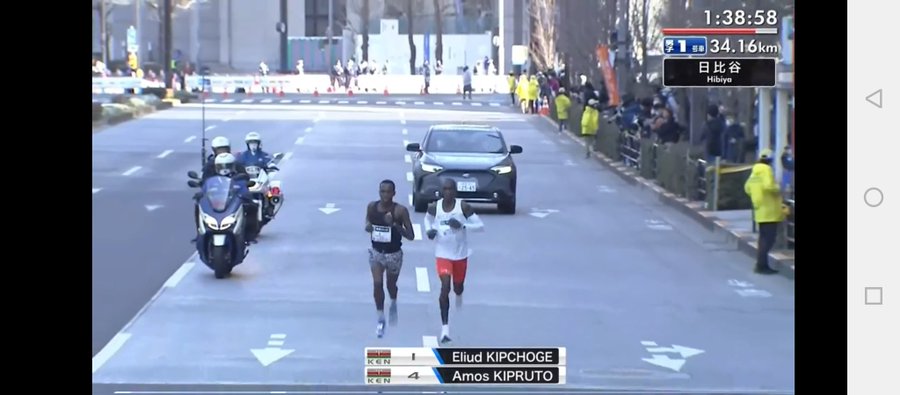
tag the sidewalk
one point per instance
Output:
(736, 224)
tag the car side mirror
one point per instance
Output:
(193, 174)
(515, 149)
(193, 184)
(251, 184)
(413, 147)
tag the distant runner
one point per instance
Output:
(386, 222)
(449, 219)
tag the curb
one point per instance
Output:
(783, 261)
(98, 126)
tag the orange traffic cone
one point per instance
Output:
(225, 92)
(385, 91)
(349, 92)
(249, 91)
(458, 91)
(281, 90)
(329, 90)
(545, 108)
(316, 92)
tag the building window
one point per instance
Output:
(317, 17)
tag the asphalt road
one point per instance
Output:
(587, 263)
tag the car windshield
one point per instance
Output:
(218, 191)
(466, 141)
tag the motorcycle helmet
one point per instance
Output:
(220, 145)
(225, 164)
(253, 140)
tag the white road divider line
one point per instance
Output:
(308, 129)
(476, 104)
(299, 140)
(362, 102)
(407, 158)
(422, 284)
(266, 101)
(228, 101)
(405, 131)
(342, 102)
(400, 103)
(189, 139)
(381, 102)
(409, 176)
(285, 101)
(417, 228)
(324, 101)
(95, 190)
(210, 127)
(495, 104)
(456, 103)
(305, 101)
(131, 171)
(179, 274)
(165, 154)
(109, 350)
(439, 103)
(429, 342)
(247, 101)
(419, 103)
(410, 203)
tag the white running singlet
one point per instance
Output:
(450, 243)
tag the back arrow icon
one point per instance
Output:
(875, 98)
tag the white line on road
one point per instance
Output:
(417, 228)
(286, 101)
(429, 342)
(407, 158)
(405, 143)
(342, 102)
(308, 129)
(439, 103)
(109, 350)
(131, 171)
(456, 103)
(476, 104)
(410, 203)
(210, 127)
(495, 104)
(165, 154)
(95, 190)
(419, 103)
(422, 284)
(324, 101)
(381, 102)
(275, 343)
(189, 139)
(400, 103)
(409, 176)
(361, 102)
(179, 274)
(228, 101)
(266, 101)
(280, 336)
(403, 122)
(247, 101)
(405, 131)
(299, 140)
(305, 101)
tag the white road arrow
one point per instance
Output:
(151, 207)
(605, 189)
(269, 355)
(541, 213)
(666, 362)
(739, 283)
(686, 352)
(329, 209)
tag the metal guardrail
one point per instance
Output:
(789, 223)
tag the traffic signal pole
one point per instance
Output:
(167, 42)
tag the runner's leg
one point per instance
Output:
(459, 279)
(377, 268)
(394, 263)
(444, 270)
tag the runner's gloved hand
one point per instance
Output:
(431, 234)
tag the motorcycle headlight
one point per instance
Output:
(431, 168)
(502, 169)
(227, 222)
(210, 222)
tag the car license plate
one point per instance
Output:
(466, 186)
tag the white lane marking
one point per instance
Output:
(210, 127)
(228, 101)
(407, 158)
(410, 203)
(381, 102)
(400, 103)
(476, 104)
(267, 101)
(422, 284)
(308, 129)
(429, 342)
(131, 171)
(495, 104)
(456, 103)
(305, 101)
(405, 143)
(361, 102)
(287, 156)
(240, 112)
(403, 122)
(95, 190)
(275, 343)
(409, 176)
(342, 102)
(324, 101)
(299, 141)
(189, 139)
(247, 101)
(279, 336)
(109, 350)
(419, 103)
(179, 274)
(286, 101)
(165, 153)
(405, 131)
(417, 228)
(226, 119)
(439, 103)
(648, 343)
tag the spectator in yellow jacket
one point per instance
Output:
(533, 94)
(562, 109)
(766, 197)
(511, 80)
(590, 121)
(522, 92)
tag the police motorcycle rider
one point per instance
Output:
(220, 145)
(254, 155)
(226, 165)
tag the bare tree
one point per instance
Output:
(178, 7)
(103, 9)
(543, 33)
(439, 34)
(645, 31)
(365, 16)
(585, 23)
(409, 36)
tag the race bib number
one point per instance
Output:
(381, 234)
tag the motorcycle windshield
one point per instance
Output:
(252, 171)
(218, 192)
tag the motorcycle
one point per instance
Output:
(266, 192)
(221, 243)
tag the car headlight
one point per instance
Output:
(431, 168)
(502, 169)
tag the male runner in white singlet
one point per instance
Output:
(448, 220)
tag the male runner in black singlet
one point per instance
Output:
(386, 222)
